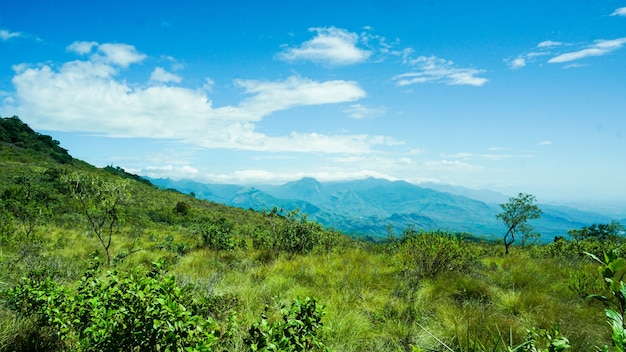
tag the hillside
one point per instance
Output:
(366, 207)
(98, 259)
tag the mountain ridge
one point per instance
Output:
(366, 207)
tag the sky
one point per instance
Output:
(512, 96)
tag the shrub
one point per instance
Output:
(122, 312)
(298, 330)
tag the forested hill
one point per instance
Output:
(20, 142)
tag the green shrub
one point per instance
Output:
(122, 312)
(298, 330)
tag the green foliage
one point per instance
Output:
(27, 201)
(17, 134)
(122, 312)
(182, 208)
(424, 255)
(613, 268)
(515, 215)
(293, 234)
(599, 232)
(100, 201)
(218, 235)
(298, 330)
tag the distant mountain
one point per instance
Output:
(482, 195)
(366, 207)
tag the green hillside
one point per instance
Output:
(99, 259)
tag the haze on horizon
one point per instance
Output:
(512, 97)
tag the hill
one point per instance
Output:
(84, 251)
(367, 207)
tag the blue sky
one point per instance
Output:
(513, 96)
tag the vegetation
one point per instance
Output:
(515, 215)
(181, 274)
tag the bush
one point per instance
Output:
(298, 331)
(425, 255)
(122, 312)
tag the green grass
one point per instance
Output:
(438, 293)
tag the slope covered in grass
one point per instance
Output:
(245, 275)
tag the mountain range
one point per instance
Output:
(369, 206)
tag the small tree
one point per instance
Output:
(27, 202)
(515, 215)
(100, 201)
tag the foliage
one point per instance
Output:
(182, 208)
(18, 134)
(424, 255)
(100, 201)
(298, 330)
(612, 231)
(122, 312)
(293, 234)
(515, 215)
(27, 201)
(218, 235)
(613, 268)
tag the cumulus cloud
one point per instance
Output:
(91, 96)
(598, 48)
(619, 12)
(160, 75)
(6, 35)
(117, 54)
(81, 48)
(330, 45)
(437, 70)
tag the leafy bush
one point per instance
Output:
(425, 255)
(298, 330)
(218, 235)
(122, 312)
(294, 234)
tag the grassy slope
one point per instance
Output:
(369, 305)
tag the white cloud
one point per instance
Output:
(434, 69)
(619, 12)
(358, 111)
(294, 91)
(121, 55)
(516, 63)
(548, 44)
(256, 176)
(462, 155)
(598, 48)
(208, 84)
(331, 45)
(546, 143)
(82, 48)
(90, 96)
(160, 75)
(171, 171)
(6, 35)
